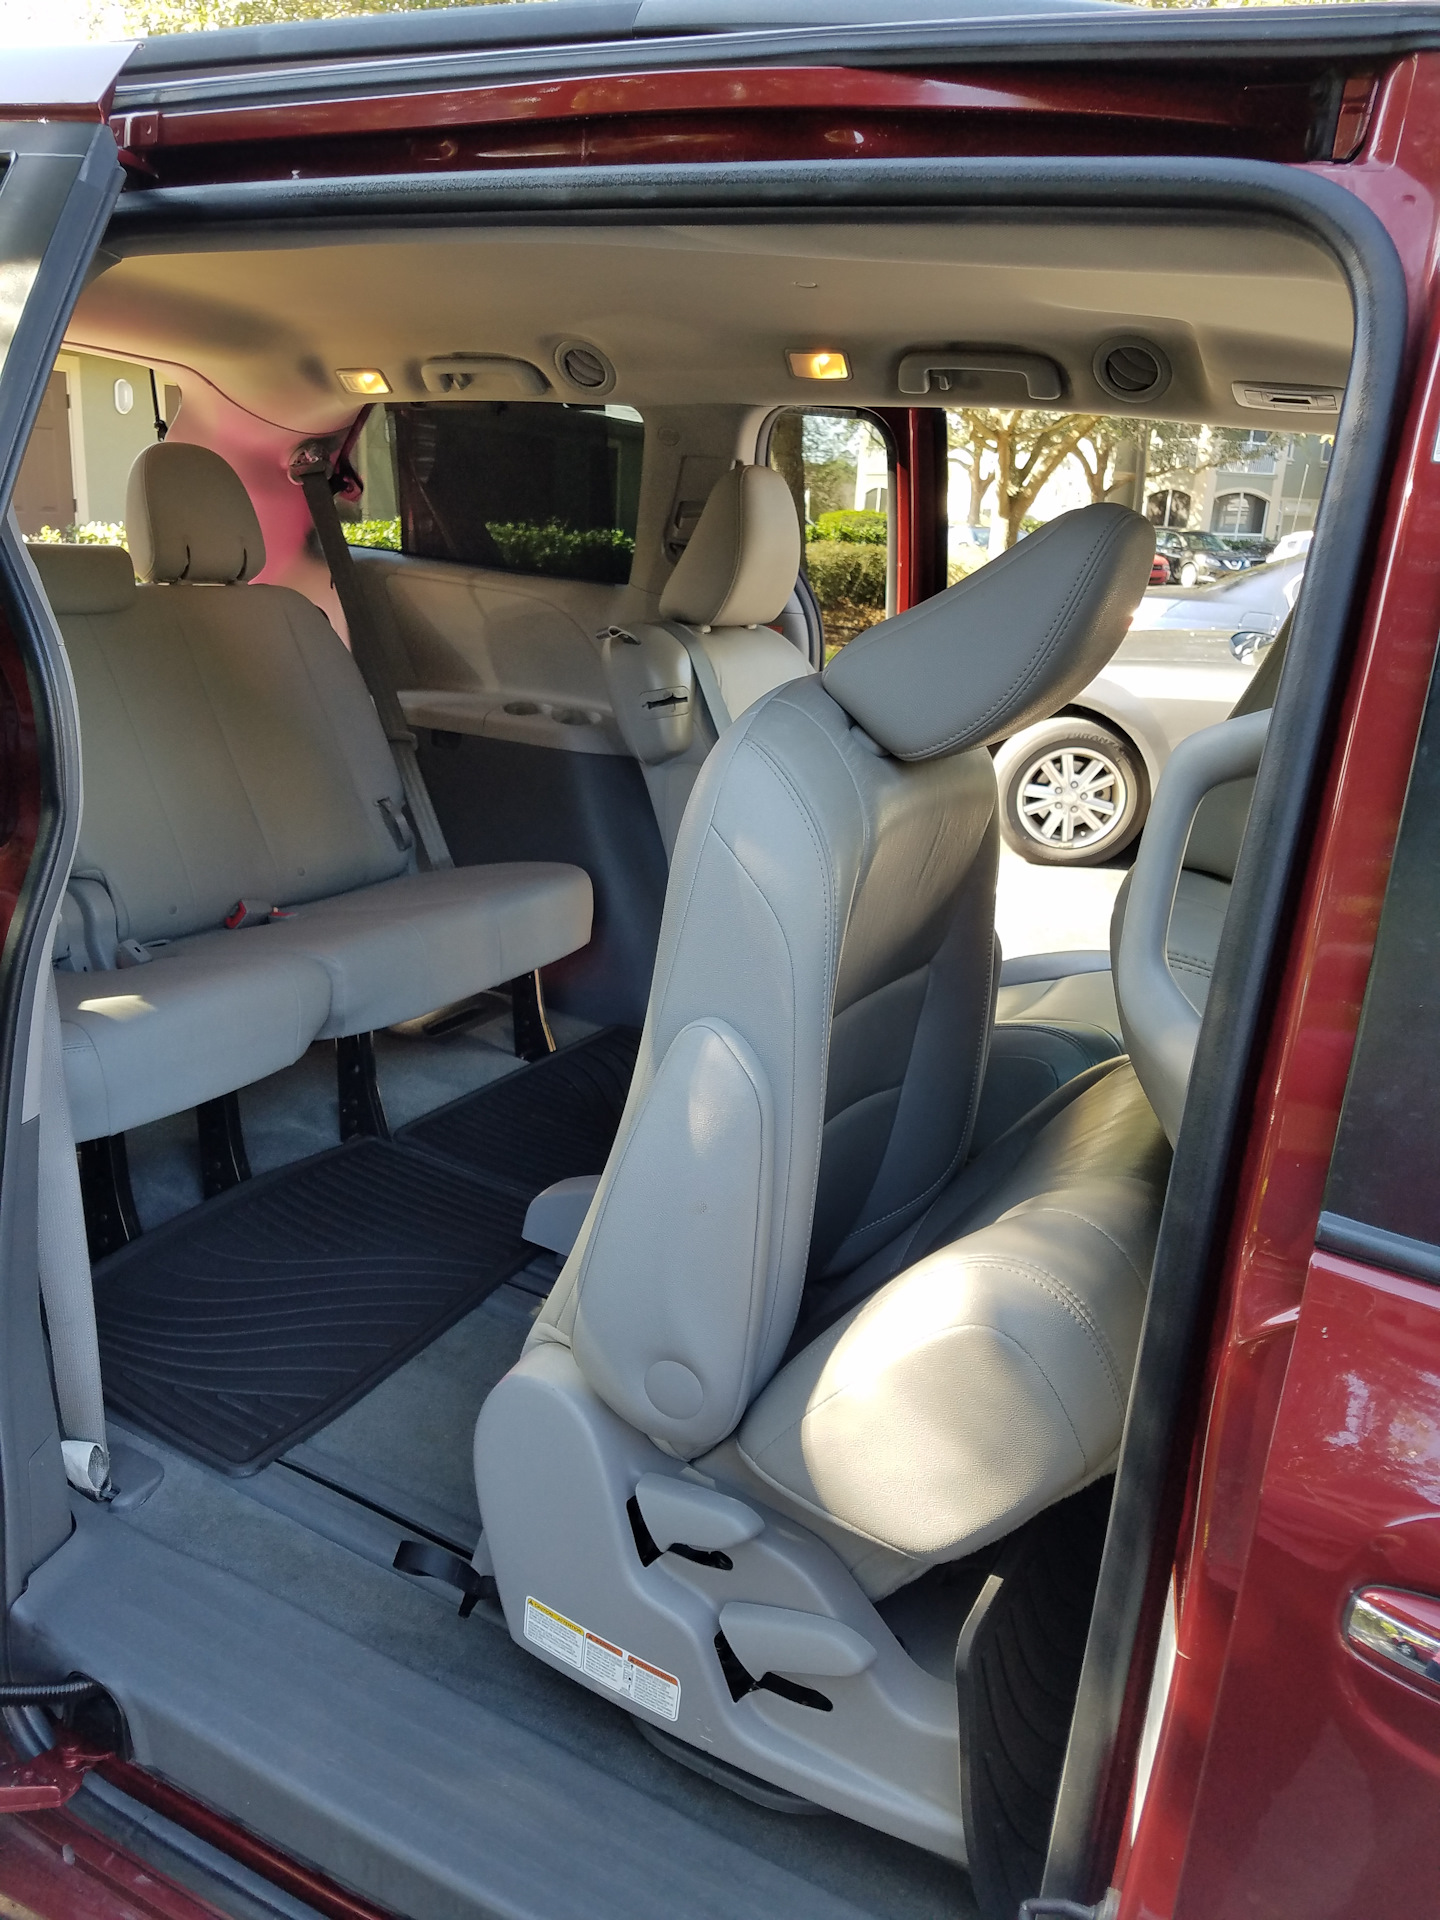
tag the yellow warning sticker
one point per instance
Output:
(601, 1660)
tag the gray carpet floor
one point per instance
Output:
(228, 1524)
(405, 1447)
(404, 1451)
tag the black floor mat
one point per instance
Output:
(555, 1120)
(241, 1327)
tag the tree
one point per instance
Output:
(1023, 448)
(969, 444)
(147, 18)
(1102, 453)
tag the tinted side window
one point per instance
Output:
(840, 470)
(1383, 1197)
(527, 488)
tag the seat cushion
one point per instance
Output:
(988, 1380)
(1078, 1003)
(1046, 1032)
(406, 946)
(152, 1040)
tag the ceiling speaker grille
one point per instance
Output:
(1132, 369)
(585, 366)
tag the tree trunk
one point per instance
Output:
(787, 456)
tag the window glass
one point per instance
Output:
(519, 487)
(838, 467)
(1386, 1169)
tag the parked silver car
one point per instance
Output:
(1075, 789)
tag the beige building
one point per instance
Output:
(96, 416)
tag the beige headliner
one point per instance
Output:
(702, 314)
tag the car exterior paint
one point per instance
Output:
(1176, 670)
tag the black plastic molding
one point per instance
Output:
(1391, 1252)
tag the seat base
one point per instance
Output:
(555, 1470)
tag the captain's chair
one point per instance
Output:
(675, 686)
(800, 1351)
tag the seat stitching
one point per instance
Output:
(1073, 1213)
(826, 1001)
(1038, 1275)
(919, 1199)
(322, 708)
(839, 1392)
(1056, 1033)
(217, 715)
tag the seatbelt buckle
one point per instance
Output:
(244, 914)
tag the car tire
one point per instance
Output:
(1189, 574)
(1070, 755)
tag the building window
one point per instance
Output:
(1169, 508)
(1239, 513)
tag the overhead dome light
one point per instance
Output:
(819, 366)
(367, 380)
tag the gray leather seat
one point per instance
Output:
(795, 1142)
(1056, 1013)
(675, 686)
(232, 754)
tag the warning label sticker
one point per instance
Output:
(648, 1686)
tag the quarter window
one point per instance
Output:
(1383, 1198)
(841, 470)
(531, 488)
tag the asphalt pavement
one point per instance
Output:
(1053, 909)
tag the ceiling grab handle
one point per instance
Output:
(943, 369)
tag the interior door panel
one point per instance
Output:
(521, 754)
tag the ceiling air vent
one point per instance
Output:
(584, 366)
(1134, 370)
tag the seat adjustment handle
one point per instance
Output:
(682, 1512)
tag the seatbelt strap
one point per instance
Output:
(65, 1284)
(310, 469)
(430, 1562)
(705, 676)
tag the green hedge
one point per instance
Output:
(89, 533)
(852, 524)
(846, 570)
(372, 533)
(592, 553)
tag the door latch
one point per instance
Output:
(50, 1779)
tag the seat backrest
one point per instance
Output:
(819, 1015)
(1214, 845)
(230, 748)
(677, 685)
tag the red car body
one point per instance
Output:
(1291, 1777)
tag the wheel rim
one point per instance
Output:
(1072, 798)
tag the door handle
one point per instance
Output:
(1396, 1631)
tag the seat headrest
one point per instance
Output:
(85, 579)
(1003, 648)
(743, 558)
(188, 518)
